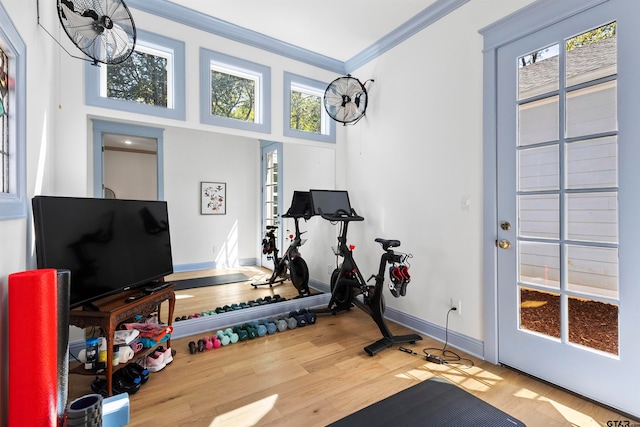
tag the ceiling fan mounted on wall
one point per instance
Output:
(102, 29)
(346, 99)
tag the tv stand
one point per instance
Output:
(89, 306)
(111, 311)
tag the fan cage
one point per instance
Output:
(102, 30)
(346, 100)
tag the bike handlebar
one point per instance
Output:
(341, 215)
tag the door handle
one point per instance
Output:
(503, 244)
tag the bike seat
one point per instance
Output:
(386, 244)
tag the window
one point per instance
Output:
(143, 78)
(304, 113)
(234, 93)
(12, 120)
(150, 82)
(4, 121)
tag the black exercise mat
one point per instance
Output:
(210, 281)
(432, 403)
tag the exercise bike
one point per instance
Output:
(348, 287)
(291, 266)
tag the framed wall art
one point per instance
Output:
(213, 198)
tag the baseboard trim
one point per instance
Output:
(209, 265)
(454, 339)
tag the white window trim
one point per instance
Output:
(13, 205)
(174, 51)
(312, 87)
(261, 74)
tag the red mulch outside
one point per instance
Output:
(591, 323)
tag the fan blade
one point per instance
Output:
(79, 27)
(350, 112)
(333, 98)
(113, 44)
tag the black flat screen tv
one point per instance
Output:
(109, 245)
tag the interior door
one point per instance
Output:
(568, 206)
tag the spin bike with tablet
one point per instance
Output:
(292, 261)
(348, 287)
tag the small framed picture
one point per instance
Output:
(213, 198)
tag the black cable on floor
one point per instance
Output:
(446, 356)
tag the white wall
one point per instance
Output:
(127, 174)
(193, 156)
(309, 167)
(417, 156)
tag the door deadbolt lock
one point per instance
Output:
(505, 225)
(503, 244)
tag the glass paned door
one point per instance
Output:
(563, 276)
(567, 189)
(271, 182)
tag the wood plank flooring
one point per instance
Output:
(320, 373)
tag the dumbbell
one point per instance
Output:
(224, 339)
(292, 323)
(280, 323)
(242, 334)
(271, 326)
(253, 332)
(260, 328)
(300, 318)
(233, 337)
(309, 315)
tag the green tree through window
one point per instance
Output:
(232, 96)
(142, 78)
(305, 112)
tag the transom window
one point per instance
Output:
(151, 81)
(235, 93)
(304, 114)
(143, 78)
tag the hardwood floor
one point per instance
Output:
(320, 373)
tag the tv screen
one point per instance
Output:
(330, 201)
(109, 245)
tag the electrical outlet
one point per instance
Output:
(330, 269)
(457, 304)
(215, 249)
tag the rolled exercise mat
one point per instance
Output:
(33, 331)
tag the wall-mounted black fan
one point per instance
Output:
(345, 99)
(103, 29)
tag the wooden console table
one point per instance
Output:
(114, 310)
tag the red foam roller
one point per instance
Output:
(33, 351)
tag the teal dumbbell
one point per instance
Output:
(243, 335)
(260, 328)
(224, 339)
(253, 332)
(233, 337)
(271, 327)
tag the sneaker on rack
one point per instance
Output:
(155, 361)
(166, 354)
